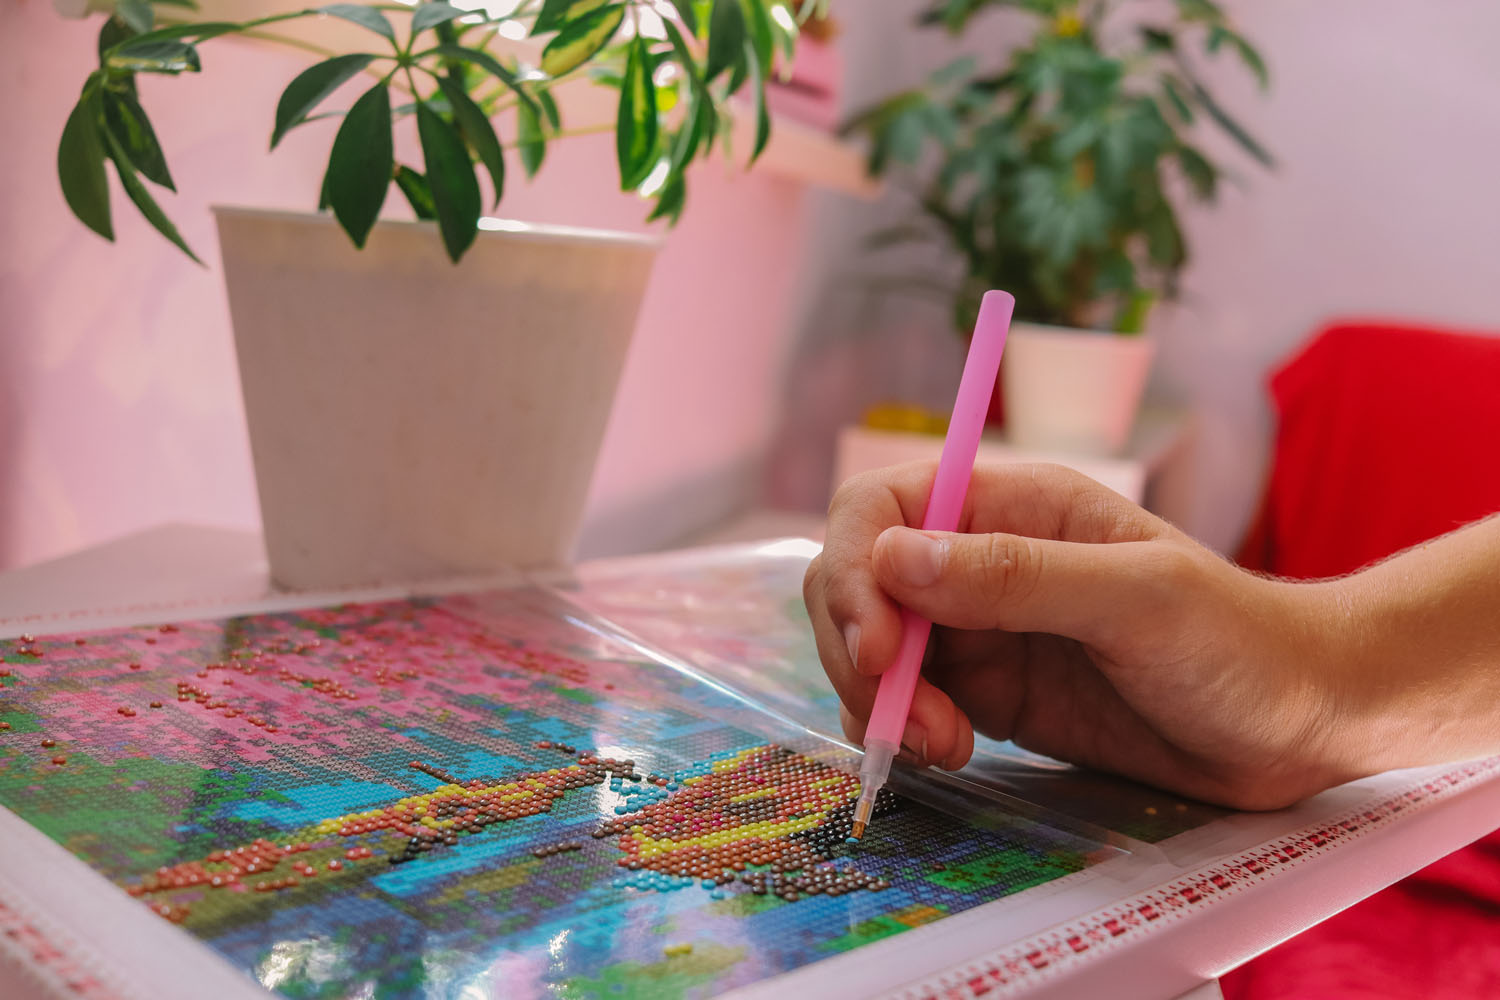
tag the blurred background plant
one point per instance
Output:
(1057, 174)
(675, 66)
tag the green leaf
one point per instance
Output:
(635, 120)
(1164, 243)
(1132, 315)
(418, 193)
(1218, 35)
(1200, 173)
(685, 58)
(670, 200)
(111, 33)
(80, 162)
(877, 119)
(477, 132)
(137, 14)
(530, 139)
(450, 174)
(430, 15)
(1116, 273)
(1158, 39)
(141, 55)
(549, 108)
(960, 70)
(1178, 98)
(142, 198)
(689, 135)
(365, 17)
(762, 35)
(1199, 10)
(689, 16)
(726, 37)
(739, 72)
(1229, 125)
(709, 124)
(491, 65)
(324, 199)
(579, 39)
(199, 31)
(308, 89)
(127, 120)
(555, 13)
(762, 114)
(361, 163)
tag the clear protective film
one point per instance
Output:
(736, 614)
(488, 794)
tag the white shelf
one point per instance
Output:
(1156, 434)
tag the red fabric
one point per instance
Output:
(1388, 436)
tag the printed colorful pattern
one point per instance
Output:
(477, 795)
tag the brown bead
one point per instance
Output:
(59, 760)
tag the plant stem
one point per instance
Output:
(251, 32)
(293, 43)
(568, 133)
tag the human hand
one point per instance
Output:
(1071, 621)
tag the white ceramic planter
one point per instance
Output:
(1074, 391)
(410, 418)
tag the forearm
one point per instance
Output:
(1421, 681)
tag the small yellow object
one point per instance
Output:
(905, 417)
(673, 950)
(1068, 24)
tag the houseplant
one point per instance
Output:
(429, 398)
(1056, 175)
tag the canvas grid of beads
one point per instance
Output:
(476, 795)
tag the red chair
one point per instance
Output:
(1388, 435)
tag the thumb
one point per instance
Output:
(1014, 582)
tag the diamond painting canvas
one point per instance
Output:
(475, 795)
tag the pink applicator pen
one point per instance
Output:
(955, 467)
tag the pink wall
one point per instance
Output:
(1386, 121)
(1385, 118)
(119, 403)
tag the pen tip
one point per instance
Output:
(858, 832)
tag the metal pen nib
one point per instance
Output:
(873, 771)
(862, 810)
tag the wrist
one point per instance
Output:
(1355, 715)
(1385, 667)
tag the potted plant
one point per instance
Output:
(428, 398)
(1056, 175)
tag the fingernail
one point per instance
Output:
(916, 558)
(851, 639)
(914, 738)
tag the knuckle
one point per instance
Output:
(1007, 564)
(812, 579)
(1174, 569)
(853, 493)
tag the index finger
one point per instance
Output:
(1039, 501)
